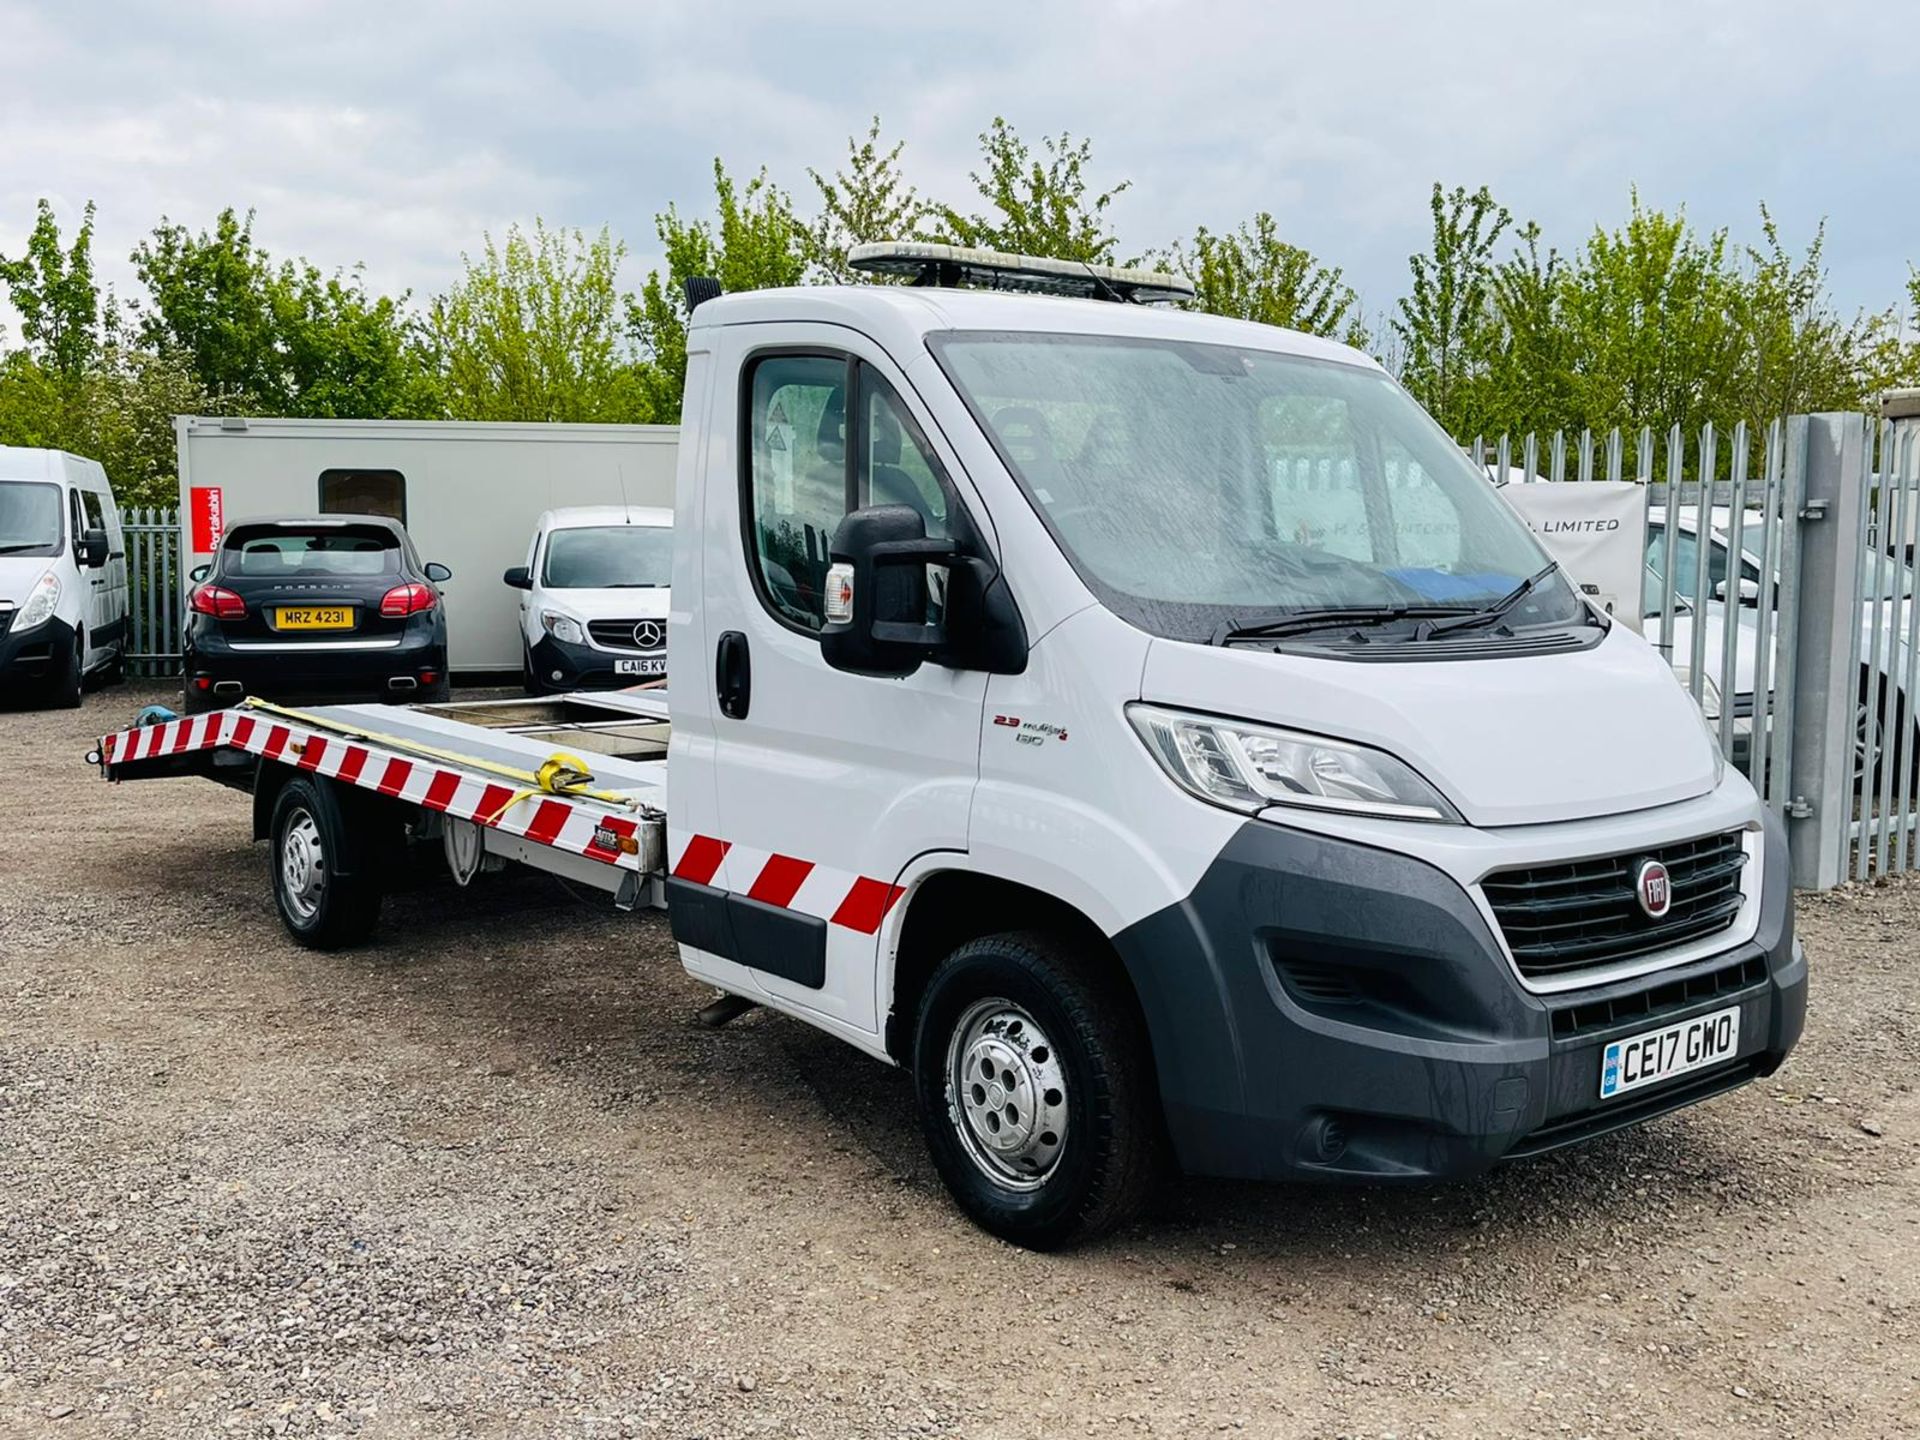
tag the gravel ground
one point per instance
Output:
(486, 1177)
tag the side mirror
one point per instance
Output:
(92, 549)
(1749, 592)
(438, 573)
(199, 573)
(519, 577)
(887, 578)
(877, 593)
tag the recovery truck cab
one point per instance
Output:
(1148, 728)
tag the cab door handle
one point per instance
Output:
(733, 675)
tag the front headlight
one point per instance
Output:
(1249, 767)
(562, 627)
(1709, 691)
(1709, 709)
(42, 601)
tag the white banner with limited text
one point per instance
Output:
(1597, 530)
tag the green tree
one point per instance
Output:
(130, 401)
(866, 201)
(282, 339)
(1445, 327)
(207, 301)
(1252, 274)
(1652, 312)
(1530, 360)
(533, 331)
(1037, 204)
(119, 411)
(1800, 354)
(53, 291)
(346, 353)
(754, 241)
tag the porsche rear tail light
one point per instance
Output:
(405, 600)
(217, 601)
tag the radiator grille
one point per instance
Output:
(619, 634)
(1585, 913)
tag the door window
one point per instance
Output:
(96, 514)
(896, 466)
(364, 492)
(1686, 559)
(805, 472)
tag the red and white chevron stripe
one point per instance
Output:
(840, 897)
(579, 827)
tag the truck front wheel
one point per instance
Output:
(326, 899)
(1036, 1091)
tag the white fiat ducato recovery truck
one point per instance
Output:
(1149, 728)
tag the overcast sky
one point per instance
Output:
(396, 133)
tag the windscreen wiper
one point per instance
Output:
(23, 545)
(1491, 614)
(1298, 622)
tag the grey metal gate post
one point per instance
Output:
(1832, 453)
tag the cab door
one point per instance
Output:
(827, 784)
(92, 579)
(108, 628)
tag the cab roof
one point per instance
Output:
(901, 316)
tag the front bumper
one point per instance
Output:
(1321, 1009)
(35, 656)
(559, 665)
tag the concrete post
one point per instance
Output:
(1832, 500)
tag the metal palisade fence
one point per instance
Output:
(1885, 653)
(155, 590)
(1776, 583)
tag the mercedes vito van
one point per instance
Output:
(63, 575)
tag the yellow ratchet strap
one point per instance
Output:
(559, 773)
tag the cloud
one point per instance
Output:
(394, 134)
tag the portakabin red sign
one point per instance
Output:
(207, 513)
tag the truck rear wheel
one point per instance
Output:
(327, 898)
(1036, 1091)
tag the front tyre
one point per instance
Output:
(327, 899)
(70, 683)
(1036, 1091)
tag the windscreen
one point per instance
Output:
(609, 557)
(329, 552)
(1192, 484)
(29, 518)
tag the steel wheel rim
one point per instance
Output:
(303, 865)
(1006, 1094)
(1866, 740)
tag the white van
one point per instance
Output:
(595, 592)
(63, 575)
